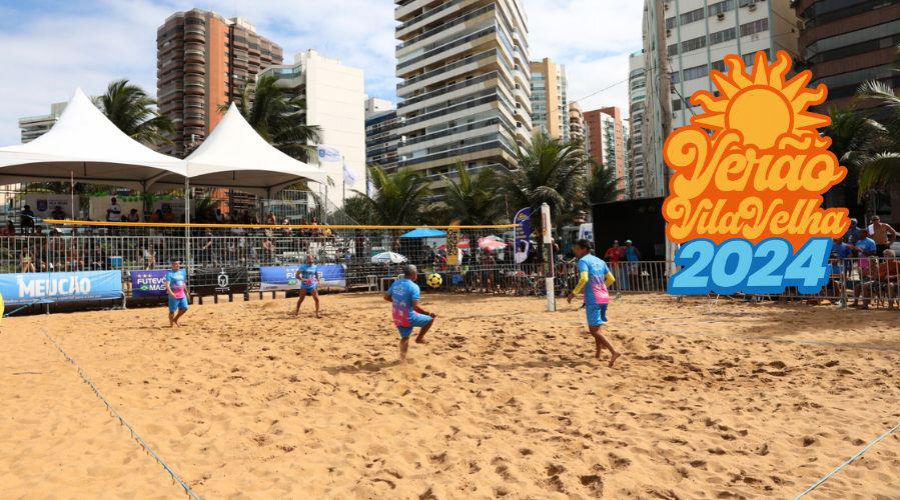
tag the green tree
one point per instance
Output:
(602, 186)
(850, 132)
(277, 116)
(879, 165)
(472, 200)
(549, 171)
(130, 109)
(399, 198)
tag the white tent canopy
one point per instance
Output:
(85, 145)
(235, 156)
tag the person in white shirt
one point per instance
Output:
(114, 212)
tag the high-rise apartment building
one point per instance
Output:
(549, 99)
(203, 61)
(576, 122)
(381, 137)
(848, 43)
(604, 142)
(32, 127)
(683, 41)
(637, 97)
(465, 90)
(335, 101)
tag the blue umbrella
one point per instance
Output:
(424, 232)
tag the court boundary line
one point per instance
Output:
(115, 414)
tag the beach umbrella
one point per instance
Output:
(491, 243)
(424, 232)
(388, 258)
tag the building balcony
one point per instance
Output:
(194, 120)
(195, 34)
(195, 56)
(195, 69)
(195, 88)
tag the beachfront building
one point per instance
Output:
(549, 99)
(335, 101)
(604, 142)
(683, 41)
(203, 60)
(32, 127)
(637, 97)
(576, 122)
(465, 89)
(381, 138)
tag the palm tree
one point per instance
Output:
(549, 171)
(880, 164)
(277, 116)
(399, 198)
(472, 201)
(134, 113)
(850, 133)
(602, 185)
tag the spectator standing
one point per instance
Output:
(613, 256)
(882, 233)
(26, 220)
(58, 213)
(633, 256)
(852, 233)
(113, 211)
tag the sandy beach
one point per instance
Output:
(711, 400)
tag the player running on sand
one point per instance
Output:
(408, 314)
(594, 276)
(308, 274)
(176, 287)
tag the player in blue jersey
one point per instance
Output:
(407, 313)
(176, 288)
(308, 276)
(594, 277)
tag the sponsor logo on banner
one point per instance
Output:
(523, 234)
(34, 288)
(746, 194)
(284, 277)
(219, 281)
(150, 283)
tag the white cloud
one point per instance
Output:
(46, 54)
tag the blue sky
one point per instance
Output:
(50, 47)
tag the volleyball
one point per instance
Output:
(434, 280)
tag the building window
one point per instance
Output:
(720, 7)
(693, 44)
(694, 15)
(670, 23)
(672, 50)
(718, 66)
(676, 76)
(676, 105)
(696, 72)
(722, 36)
(757, 26)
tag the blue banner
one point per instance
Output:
(34, 288)
(283, 277)
(523, 233)
(148, 283)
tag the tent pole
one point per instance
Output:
(187, 220)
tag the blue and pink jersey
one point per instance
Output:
(403, 294)
(595, 292)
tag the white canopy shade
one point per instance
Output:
(235, 156)
(85, 145)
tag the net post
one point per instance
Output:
(548, 252)
(187, 228)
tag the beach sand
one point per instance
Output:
(711, 400)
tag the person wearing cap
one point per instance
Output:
(594, 277)
(176, 288)
(882, 233)
(633, 256)
(407, 312)
(852, 232)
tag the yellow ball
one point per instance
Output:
(434, 280)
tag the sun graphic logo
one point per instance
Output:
(746, 193)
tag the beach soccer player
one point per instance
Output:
(176, 287)
(594, 277)
(407, 312)
(308, 274)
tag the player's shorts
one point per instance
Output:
(309, 288)
(176, 304)
(596, 314)
(415, 321)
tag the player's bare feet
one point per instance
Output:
(613, 358)
(317, 314)
(420, 340)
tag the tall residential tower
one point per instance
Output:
(203, 60)
(549, 99)
(465, 90)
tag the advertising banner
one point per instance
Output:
(43, 204)
(523, 233)
(745, 200)
(148, 283)
(43, 288)
(283, 277)
(219, 281)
